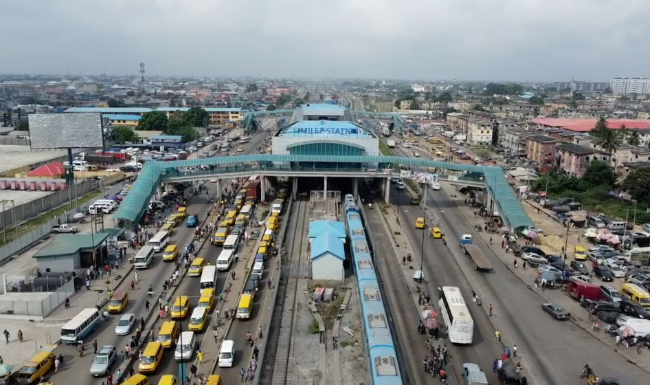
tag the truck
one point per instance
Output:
(579, 290)
(65, 228)
(473, 374)
(253, 191)
(390, 143)
(480, 262)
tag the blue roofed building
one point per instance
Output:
(319, 227)
(327, 257)
(321, 112)
(123, 119)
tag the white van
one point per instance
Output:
(227, 353)
(144, 257)
(185, 346)
(231, 243)
(258, 268)
(616, 225)
(277, 206)
(225, 259)
(100, 208)
(112, 203)
(159, 241)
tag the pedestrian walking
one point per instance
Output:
(135, 276)
(269, 283)
(147, 305)
(618, 339)
(132, 285)
(200, 356)
(242, 372)
(95, 346)
(490, 240)
(232, 274)
(524, 265)
(57, 363)
(109, 379)
(507, 352)
(215, 333)
(490, 309)
(514, 350)
(495, 365)
(426, 364)
(20, 336)
(6, 334)
(499, 364)
(256, 352)
(67, 303)
(515, 262)
(503, 243)
(142, 323)
(497, 335)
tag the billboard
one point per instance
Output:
(62, 131)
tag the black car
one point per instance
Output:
(597, 307)
(579, 267)
(556, 311)
(604, 273)
(554, 258)
(634, 310)
(532, 249)
(252, 285)
(561, 266)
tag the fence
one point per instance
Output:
(9, 140)
(45, 229)
(37, 307)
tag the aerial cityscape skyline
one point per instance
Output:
(518, 41)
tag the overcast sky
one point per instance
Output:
(505, 40)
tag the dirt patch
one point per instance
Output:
(352, 351)
(329, 310)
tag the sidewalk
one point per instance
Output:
(579, 315)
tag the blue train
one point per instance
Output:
(379, 341)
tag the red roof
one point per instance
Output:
(53, 169)
(587, 124)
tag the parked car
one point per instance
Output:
(103, 361)
(580, 267)
(533, 258)
(601, 306)
(548, 268)
(583, 278)
(630, 308)
(640, 279)
(617, 271)
(610, 293)
(556, 311)
(125, 324)
(602, 248)
(604, 273)
(532, 249)
(646, 227)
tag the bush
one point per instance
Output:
(314, 327)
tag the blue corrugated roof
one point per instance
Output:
(316, 228)
(208, 109)
(327, 242)
(118, 117)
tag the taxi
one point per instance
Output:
(118, 302)
(436, 233)
(214, 379)
(168, 379)
(167, 227)
(273, 222)
(579, 253)
(151, 357)
(419, 223)
(137, 379)
(171, 252)
(172, 219)
(181, 307)
(207, 299)
(168, 333)
(230, 218)
(196, 268)
(182, 212)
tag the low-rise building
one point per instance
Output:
(479, 133)
(513, 140)
(540, 148)
(574, 159)
(327, 257)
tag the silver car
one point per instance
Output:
(533, 258)
(125, 324)
(103, 361)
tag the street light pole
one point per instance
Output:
(422, 253)
(566, 241)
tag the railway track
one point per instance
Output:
(282, 321)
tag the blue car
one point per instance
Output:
(192, 221)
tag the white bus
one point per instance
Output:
(225, 259)
(80, 326)
(144, 257)
(159, 241)
(459, 322)
(209, 277)
(246, 210)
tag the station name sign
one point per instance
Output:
(326, 130)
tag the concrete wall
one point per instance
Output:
(327, 267)
(58, 263)
(39, 306)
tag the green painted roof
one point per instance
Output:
(144, 187)
(65, 245)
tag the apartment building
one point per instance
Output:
(479, 133)
(581, 86)
(574, 159)
(626, 86)
(540, 148)
(513, 140)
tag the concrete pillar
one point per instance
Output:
(355, 188)
(387, 190)
(424, 194)
(219, 191)
(294, 191)
(325, 187)
(263, 188)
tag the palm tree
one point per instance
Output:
(607, 139)
(633, 138)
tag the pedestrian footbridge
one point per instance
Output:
(155, 173)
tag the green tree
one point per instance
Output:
(116, 103)
(577, 96)
(124, 134)
(283, 100)
(637, 184)
(251, 87)
(445, 97)
(448, 110)
(23, 125)
(536, 100)
(196, 117)
(478, 107)
(398, 103)
(298, 102)
(176, 123)
(634, 138)
(607, 139)
(414, 105)
(188, 133)
(154, 120)
(599, 173)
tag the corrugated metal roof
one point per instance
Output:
(327, 243)
(141, 191)
(119, 117)
(70, 244)
(316, 228)
(108, 110)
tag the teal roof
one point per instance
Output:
(317, 228)
(327, 242)
(65, 245)
(143, 188)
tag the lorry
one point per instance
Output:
(390, 143)
(65, 228)
(253, 191)
(479, 260)
(579, 290)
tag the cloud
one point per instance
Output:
(441, 39)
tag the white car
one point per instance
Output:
(400, 185)
(416, 154)
(583, 278)
(533, 258)
(616, 270)
(125, 324)
(407, 145)
(435, 185)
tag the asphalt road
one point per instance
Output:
(559, 349)
(440, 269)
(76, 369)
